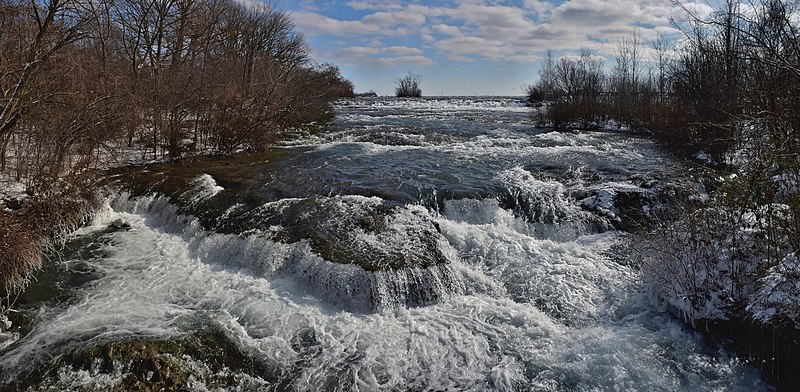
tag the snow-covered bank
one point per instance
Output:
(731, 271)
(11, 191)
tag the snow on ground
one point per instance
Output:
(726, 261)
(602, 202)
(603, 198)
(11, 190)
(122, 155)
(779, 294)
(787, 184)
(703, 157)
(114, 156)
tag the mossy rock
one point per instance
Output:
(368, 235)
(147, 365)
(374, 235)
(156, 364)
(21, 322)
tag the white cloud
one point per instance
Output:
(374, 5)
(699, 10)
(313, 23)
(461, 59)
(538, 6)
(493, 30)
(404, 60)
(393, 55)
(394, 18)
(358, 51)
(402, 50)
(454, 31)
(308, 5)
(524, 58)
(390, 23)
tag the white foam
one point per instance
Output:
(548, 205)
(508, 104)
(570, 280)
(156, 283)
(347, 285)
(203, 187)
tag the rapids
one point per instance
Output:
(430, 244)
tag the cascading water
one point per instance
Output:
(435, 244)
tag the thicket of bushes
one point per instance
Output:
(83, 81)
(729, 74)
(79, 79)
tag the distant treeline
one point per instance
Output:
(162, 77)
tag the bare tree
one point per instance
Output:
(577, 86)
(409, 85)
(626, 76)
(546, 88)
(219, 73)
(45, 28)
(661, 51)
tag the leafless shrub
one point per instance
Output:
(168, 77)
(409, 85)
(20, 252)
(39, 228)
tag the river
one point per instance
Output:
(425, 244)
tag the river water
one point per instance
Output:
(431, 244)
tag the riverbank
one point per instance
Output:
(33, 228)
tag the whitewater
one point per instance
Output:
(413, 245)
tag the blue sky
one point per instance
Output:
(469, 47)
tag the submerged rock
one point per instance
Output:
(357, 253)
(369, 234)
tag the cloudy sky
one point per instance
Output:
(468, 47)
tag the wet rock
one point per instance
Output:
(119, 225)
(634, 210)
(17, 323)
(631, 209)
(206, 358)
(356, 230)
(602, 201)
